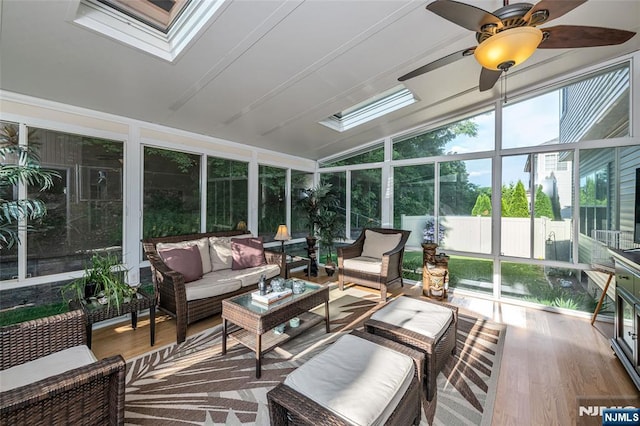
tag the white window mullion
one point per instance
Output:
(22, 223)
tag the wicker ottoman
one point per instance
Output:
(361, 379)
(425, 325)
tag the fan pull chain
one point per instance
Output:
(503, 85)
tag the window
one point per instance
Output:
(413, 199)
(227, 194)
(463, 187)
(299, 182)
(372, 154)
(171, 192)
(9, 133)
(338, 181)
(366, 189)
(84, 206)
(473, 134)
(272, 200)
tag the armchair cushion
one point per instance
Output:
(364, 264)
(46, 366)
(186, 260)
(203, 247)
(376, 244)
(247, 253)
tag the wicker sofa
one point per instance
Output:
(374, 263)
(49, 376)
(190, 301)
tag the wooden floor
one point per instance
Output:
(549, 359)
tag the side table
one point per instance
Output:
(102, 313)
(296, 262)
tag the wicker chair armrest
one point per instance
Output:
(29, 340)
(276, 258)
(75, 388)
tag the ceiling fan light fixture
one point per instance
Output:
(507, 48)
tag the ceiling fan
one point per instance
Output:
(509, 35)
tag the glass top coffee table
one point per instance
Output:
(255, 321)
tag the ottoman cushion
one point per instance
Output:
(356, 379)
(428, 319)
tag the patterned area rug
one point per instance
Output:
(193, 384)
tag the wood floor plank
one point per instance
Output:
(549, 359)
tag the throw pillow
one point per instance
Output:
(202, 244)
(186, 261)
(220, 251)
(247, 253)
(376, 243)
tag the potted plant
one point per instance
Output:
(329, 230)
(102, 283)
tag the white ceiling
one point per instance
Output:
(264, 73)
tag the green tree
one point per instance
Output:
(518, 204)
(482, 206)
(19, 164)
(542, 206)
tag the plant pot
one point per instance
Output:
(330, 267)
(89, 290)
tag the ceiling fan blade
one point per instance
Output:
(488, 78)
(465, 15)
(571, 36)
(438, 63)
(554, 8)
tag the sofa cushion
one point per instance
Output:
(356, 379)
(201, 243)
(247, 253)
(46, 366)
(426, 318)
(186, 260)
(250, 276)
(213, 284)
(376, 243)
(369, 265)
(220, 251)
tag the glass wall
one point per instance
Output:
(84, 205)
(300, 181)
(272, 201)
(413, 200)
(9, 133)
(227, 194)
(463, 186)
(171, 192)
(366, 189)
(338, 181)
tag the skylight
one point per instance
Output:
(372, 108)
(160, 27)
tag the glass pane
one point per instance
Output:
(369, 155)
(471, 274)
(8, 193)
(366, 189)
(227, 194)
(463, 185)
(171, 192)
(299, 182)
(272, 202)
(469, 135)
(558, 287)
(552, 175)
(84, 205)
(594, 108)
(338, 181)
(413, 199)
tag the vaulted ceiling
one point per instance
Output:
(264, 73)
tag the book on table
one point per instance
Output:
(272, 297)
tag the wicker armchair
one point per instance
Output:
(93, 394)
(391, 268)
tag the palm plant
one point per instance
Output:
(313, 201)
(19, 164)
(329, 230)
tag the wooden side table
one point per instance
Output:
(102, 313)
(297, 262)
